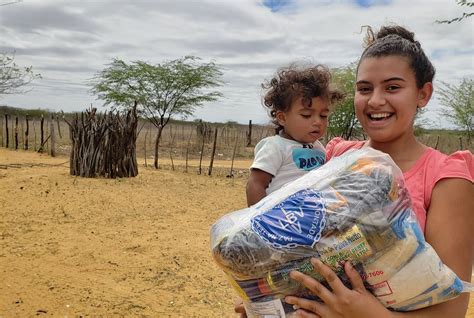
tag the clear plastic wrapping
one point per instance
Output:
(354, 208)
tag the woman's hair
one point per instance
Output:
(294, 82)
(396, 40)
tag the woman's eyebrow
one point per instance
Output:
(393, 79)
(384, 81)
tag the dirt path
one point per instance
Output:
(127, 247)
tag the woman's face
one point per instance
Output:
(387, 97)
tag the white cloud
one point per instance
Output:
(68, 42)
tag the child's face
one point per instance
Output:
(305, 124)
(387, 97)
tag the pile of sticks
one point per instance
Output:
(104, 145)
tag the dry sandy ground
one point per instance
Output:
(72, 247)
(95, 247)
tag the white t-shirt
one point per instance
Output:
(286, 160)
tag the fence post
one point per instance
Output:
(27, 132)
(42, 134)
(59, 127)
(213, 152)
(6, 131)
(249, 134)
(53, 137)
(16, 132)
(231, 174)
(22, 134)
(437, 142)
(202, 151)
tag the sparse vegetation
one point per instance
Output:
(161, 91)
(457, 102)
(181, 137)
(14, 78)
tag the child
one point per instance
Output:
(394, 79)
(298, 100)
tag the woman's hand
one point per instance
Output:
(341, 302)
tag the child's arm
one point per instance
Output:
(256, 185)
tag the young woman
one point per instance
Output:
(394, 80)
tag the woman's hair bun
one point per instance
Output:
(395, 30)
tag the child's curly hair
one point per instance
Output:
(292, 82)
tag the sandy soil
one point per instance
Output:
(95, 247)
(127, 247)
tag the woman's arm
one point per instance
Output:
(449, 226)
(257, 185)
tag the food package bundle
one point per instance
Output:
(354, 208)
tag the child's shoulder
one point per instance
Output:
(266, 140)
(268, 143)
(276, 140)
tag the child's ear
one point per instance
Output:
(280, 117)
(424, 94)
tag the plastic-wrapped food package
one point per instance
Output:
(354, 208)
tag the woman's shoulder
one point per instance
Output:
(459, 164)
(464, 157)
(337, 146)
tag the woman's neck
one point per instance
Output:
(404, 152)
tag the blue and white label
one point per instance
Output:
(308, 159)
(296, 221)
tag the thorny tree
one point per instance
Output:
(465, 15)
(457, 102)
(162, 91)
(13, 77)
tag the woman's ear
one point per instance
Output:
(281, 117)
(424, 94)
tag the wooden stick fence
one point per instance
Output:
(104, 145)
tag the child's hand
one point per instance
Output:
(239, 308)
(341, 302)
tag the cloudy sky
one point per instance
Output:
(68, 42)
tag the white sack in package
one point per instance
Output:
(354, 208)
